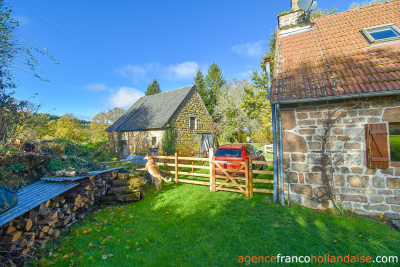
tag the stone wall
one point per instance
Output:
(189, 140)
(363, 190)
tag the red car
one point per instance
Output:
(238, 153)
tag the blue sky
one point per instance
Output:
(109, 51)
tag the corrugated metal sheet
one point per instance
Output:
(63, 179)
(72, 179)
(33, 195)
(107, 170)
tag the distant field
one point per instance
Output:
(395, 147)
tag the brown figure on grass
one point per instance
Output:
(153, 170)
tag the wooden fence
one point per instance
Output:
(218, 177)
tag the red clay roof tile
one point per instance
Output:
(335, 59)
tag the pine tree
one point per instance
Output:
(214, 82)
(201, 85)
(153, 88)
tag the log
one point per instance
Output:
(28, 224)
(119, 190)
(10, 229)
(118, 183)
(11, 237)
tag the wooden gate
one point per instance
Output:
(228, 179)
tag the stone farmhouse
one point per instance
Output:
(140, 130)
(336, 90)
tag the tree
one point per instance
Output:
(233, 121)
(101, 121)
(365, 3)
(153, 88)
(15, 52)
(68, 127)
(201, 85)
(214, 82)
(317, 13)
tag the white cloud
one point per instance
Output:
(149, 71)
(249, 49)
(137, 73)
(124, 97)
(181, 71)
(97, 87)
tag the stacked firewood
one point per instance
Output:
(128, 187)
(32, 230)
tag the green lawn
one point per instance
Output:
(395, 147)
(186, 225)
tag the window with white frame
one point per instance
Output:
(192, 123)
(381, 33)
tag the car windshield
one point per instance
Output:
(237, 153)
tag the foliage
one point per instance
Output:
(168, 142)
(214, 82)
(364, 3)
(201, 85)
(15, 53)
(70, 128)
(317, 13)
(102, 121)
(153, 88)
(233, 121)
(395, 147)
(161, 229)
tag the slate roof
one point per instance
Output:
(153, 111)
(335, 60)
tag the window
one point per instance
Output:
(383, 145)
(394, 139)
(236, 153)
(383, 33)
(153, 140)
(192, 123)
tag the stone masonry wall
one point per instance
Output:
(189, 140)
(363, 190)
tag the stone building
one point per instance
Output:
(141, 129)
(336, 87)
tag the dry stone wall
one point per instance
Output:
(361, 189)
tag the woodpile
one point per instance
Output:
(126, 188)
(32, 230)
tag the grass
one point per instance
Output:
(395, 147)
(186, 225)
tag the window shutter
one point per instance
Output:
(376, 136)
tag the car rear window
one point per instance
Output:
(237, 153)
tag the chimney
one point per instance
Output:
(294, 5)
(293, 21)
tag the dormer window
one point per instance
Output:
(382, 33)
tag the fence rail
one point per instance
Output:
(219, 178)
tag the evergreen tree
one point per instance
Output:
(153, 88)
(201, 85)
(214, 82)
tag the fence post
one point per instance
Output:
(214, 180)
(246, 168)
(176, 168)
(192, 161)
(165, 161)
(210, 158)
(251, 176)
